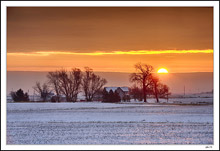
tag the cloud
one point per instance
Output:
(109, 28)
(136, 52)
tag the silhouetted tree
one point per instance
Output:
(19, 96)
(111, 97)
(69, 84)
(75, 82)
(164, 91)
(54, 99)
(91, 83)
(116, 97)
(43, 90)
(142, 77)
(155, 86)
(105, 96)
(136, 93)
(158, 89)
(126, 98)
(53, 78)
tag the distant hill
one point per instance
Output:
(194, 82)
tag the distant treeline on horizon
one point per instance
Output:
(196, 82)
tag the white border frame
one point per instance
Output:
(214, 4)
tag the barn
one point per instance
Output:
(122, 91)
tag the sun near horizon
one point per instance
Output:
(162, 70)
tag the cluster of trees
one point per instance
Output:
(136, 93)
(20, 96)
(110, 97)
(148, 84)
(126, 98)
(70, 84)
(43, 90)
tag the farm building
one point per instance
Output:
(122, 91)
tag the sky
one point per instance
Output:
(110, 39)
(176, 81)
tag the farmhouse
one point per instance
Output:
(122, 91)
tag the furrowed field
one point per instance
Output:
(109, 123)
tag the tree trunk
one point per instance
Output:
(157, 98)
(156, 94)
(75, 98)
(68, 99)
(58, 96)
(144, 91)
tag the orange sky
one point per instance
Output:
(110, 39)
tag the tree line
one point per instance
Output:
(147, 83)
(71, 83)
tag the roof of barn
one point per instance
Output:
(125, 89)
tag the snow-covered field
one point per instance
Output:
(108, 123)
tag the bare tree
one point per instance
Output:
(155, 86)
(53, 78)
(69, 84)
(43, 90)
(64, 83)
(142, 77)
(164, 91)
(92, 83)
(75, 83)
(136, 93)
(159, 90)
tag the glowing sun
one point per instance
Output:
(162, 70)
